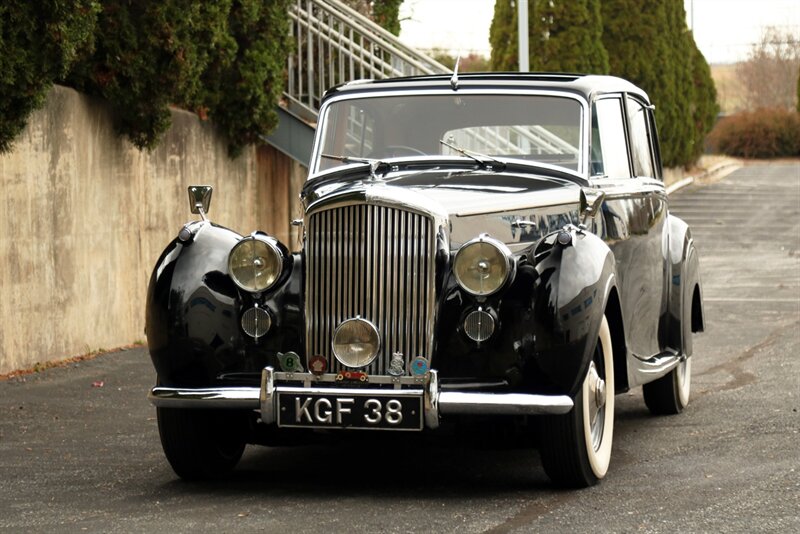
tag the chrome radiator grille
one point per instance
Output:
(376, 262)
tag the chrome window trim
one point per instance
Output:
(556, 93)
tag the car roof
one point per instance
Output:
(587, 85)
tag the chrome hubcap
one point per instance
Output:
(597, 401)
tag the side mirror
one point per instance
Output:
(591, 200)
(200, 199)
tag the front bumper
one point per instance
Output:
(435, 401)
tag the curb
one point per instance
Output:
(680, 184)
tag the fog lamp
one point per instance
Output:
(256, 322)
(479, 325)
(356, 343)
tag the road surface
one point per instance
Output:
(77, 458)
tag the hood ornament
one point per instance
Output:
(454, 77)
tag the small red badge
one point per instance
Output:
(318, 365)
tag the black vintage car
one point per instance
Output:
(473, 246)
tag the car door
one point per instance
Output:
(633, 216)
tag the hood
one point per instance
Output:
(516, 208)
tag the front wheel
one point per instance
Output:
(576, 447)
(669, 394)
(201, 444)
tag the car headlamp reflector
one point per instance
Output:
(482, 266)
(255, 264)
(356, 342)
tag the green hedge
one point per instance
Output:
(222, 59)
(764, 133)
(39, 42)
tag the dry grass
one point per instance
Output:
(730, 91)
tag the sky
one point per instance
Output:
(724, 29)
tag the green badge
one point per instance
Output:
(290, 362)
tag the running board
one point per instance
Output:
(644, 371)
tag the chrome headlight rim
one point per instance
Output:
(375, 332)
(276, 254)
(504, 251)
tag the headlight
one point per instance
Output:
(255, 264)
(482, 266)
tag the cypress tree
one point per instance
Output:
(683, 100)
(564, 36)
(503, 36)
(383, 12)
(387, 14)
(568, 37)
(648, 44)
(705, 93)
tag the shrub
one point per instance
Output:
(148, 56)
(241, 91)
(39, 42)
(764, 133)
(222, 59)
(767, 77)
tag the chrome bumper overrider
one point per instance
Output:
(435, 401)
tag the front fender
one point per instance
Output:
(571, 292)
(194, 310)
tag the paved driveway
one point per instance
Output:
(75, 458)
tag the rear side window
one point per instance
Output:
(641, 143)
(609, 143)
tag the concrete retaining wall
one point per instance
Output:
(84, 215)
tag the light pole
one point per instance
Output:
(522, 33)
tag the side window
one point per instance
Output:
(641, 148)
(609, 145)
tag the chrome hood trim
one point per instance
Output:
(495, 203)
(378, 193)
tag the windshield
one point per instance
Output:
(543, 129)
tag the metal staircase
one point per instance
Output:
(334, 44)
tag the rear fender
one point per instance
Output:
(686, 314)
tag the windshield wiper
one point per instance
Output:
(482, 159)
(374, 164)
(349, 159)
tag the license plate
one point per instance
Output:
(352, 409)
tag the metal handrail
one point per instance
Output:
(337, 44)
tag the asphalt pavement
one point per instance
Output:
(79, 448)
